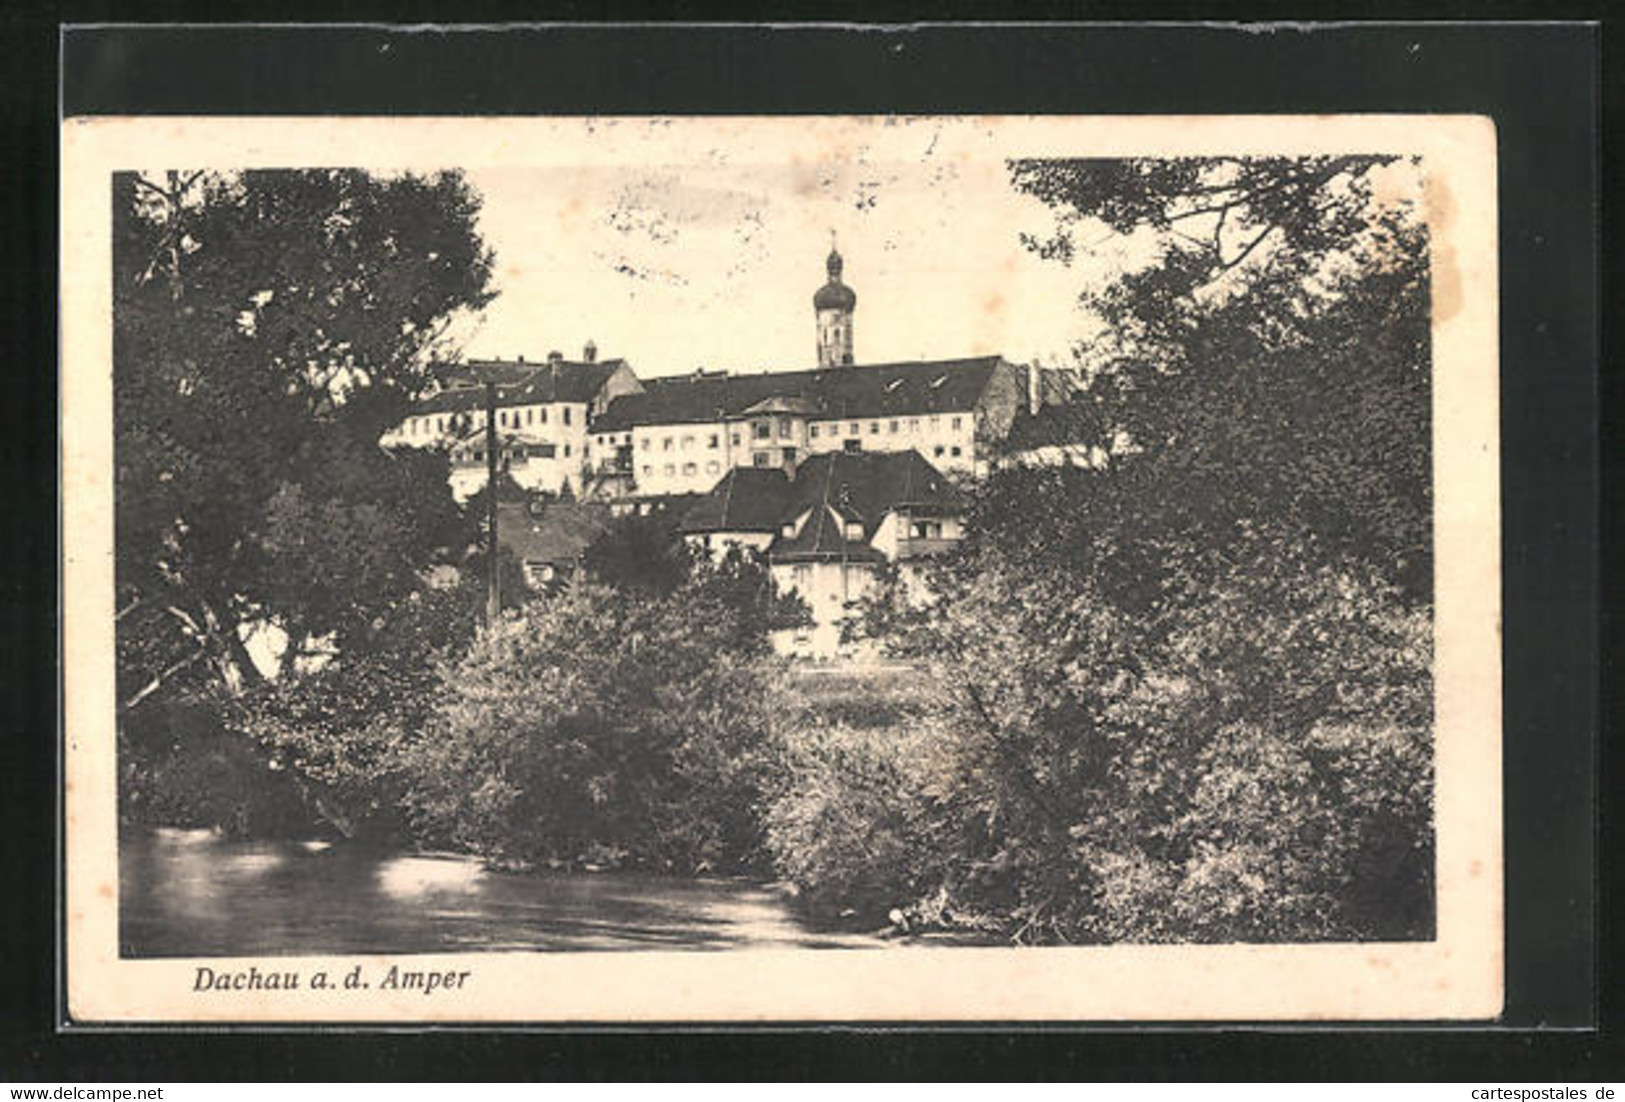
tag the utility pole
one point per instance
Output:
(493, 596)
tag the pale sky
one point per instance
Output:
(714, 263)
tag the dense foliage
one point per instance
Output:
(342, 730)
(640, 553)
(608, 726)
(268, 327)
(1188, 688)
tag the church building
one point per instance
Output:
(681, 434)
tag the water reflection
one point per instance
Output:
(191, 893)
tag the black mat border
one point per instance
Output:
(1536, 81)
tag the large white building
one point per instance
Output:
(594, 427)
(543, 411)
(682, 434)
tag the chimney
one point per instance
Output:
(521, 357)
(590, 352)
(555, 357)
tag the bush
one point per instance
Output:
(599, 726)
(343, 728)
(852, 821)
(180, 766)
(1253, 766)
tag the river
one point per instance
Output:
(193, 893)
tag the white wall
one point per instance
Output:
(692, 458)
(828, 588)
(934, 435)
(561, 424)
(679, 459)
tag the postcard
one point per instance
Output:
(753, 569)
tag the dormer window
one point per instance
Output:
(854, 530)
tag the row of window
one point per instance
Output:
(765, 459)
(760, 430)
(854, 446)
(506, 418)
(762, 459)
(713, 441)
(854, 580)
(895, 425)
(521, 452)
(713, 467)
(763, 430)
(768, 459)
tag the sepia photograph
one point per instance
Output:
(960, 567)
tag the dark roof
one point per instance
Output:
(863, 487)
(554, 532)
(862, 390)
(518, 384)
(860, 488)
(822, 537)
(748, 499)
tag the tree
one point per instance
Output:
(1190, 685)
(344, 730)
(1269, 364)
(641, 553)
(269, 326)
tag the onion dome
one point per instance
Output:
(834, 295)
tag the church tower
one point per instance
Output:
(833, 304)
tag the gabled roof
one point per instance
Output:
(554, 532)
(838, 488)
(747, 499)
(862, 487)
(863, 390)
(518, 384)
(824, 537)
